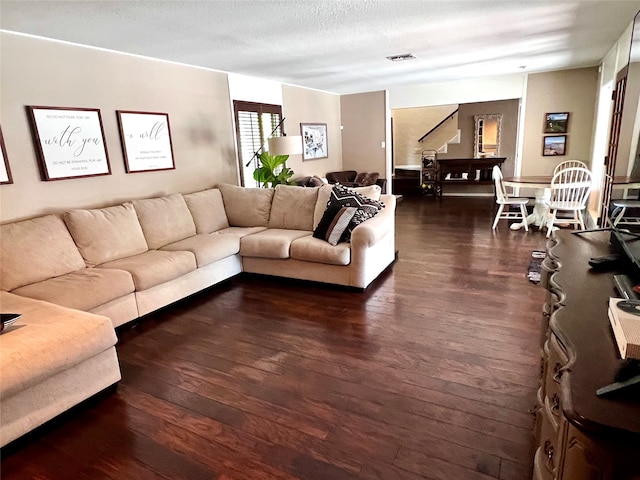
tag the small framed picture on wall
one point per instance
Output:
(554, 145)
(314, 141)
(556, 122)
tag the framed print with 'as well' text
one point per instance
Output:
(146, 141)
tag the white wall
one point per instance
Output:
(464, 91)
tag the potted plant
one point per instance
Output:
(273, 170)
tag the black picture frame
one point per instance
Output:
(554, 145)
(556, 122)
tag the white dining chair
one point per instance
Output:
(503, 199)
(569, 192)
(619, 211)
(569, 164)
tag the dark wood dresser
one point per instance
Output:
(579, 435)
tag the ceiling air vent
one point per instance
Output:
(401, 58)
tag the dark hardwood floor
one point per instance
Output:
(429, 374)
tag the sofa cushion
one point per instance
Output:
(372, 191)
(271, 243)
(35, 250)
(106, 234)
(207, 247)
(334, 223)
(207, 210)
(247, 207)
(310, 249)
(292, 207)
(50, 340)
(164, 220)
(241, 231)
(84, 289)
(154, 267)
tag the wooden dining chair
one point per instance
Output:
(569, 192)
(503, 199)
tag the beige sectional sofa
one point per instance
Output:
(77, 275)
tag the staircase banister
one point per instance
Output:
(448, 117)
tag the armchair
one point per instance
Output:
(351, 178)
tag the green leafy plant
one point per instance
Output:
(273, 170)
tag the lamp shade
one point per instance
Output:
(289, 145)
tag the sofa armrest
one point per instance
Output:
(370, 232)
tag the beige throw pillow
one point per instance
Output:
(164, 220)
(207, 210)
(247, 207)
(106, 234)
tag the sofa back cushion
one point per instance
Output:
(207, 210)
(292, 207)
(164, 220)
(247, 207)
(36, 250)
(106, 234)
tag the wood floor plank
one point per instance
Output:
(428, 374)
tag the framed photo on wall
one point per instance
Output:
(556, 122)
(554, 145)
(5, 171)
(314, 141)
(69, 142)
(146, 141)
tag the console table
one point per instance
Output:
(579, 435)
(477, 170)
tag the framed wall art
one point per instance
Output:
(314, 141)
(146, 141)
(5, 171)
(554, 145)
(556, 122)
(69, 142)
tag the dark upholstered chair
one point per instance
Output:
(310, 181)
(345, 177)
(351, 178)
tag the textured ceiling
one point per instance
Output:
(339, 46)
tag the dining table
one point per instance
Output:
(542, 186)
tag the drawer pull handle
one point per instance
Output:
(557, 372)
(548, 451)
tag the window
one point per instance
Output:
(255, 122)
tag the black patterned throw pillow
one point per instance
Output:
(334, 223)
(366, 208)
